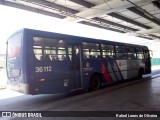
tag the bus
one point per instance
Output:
(40, 62)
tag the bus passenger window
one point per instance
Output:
(121, 52)
(70, 53)
(91, 51)
(46, 49)
(108, 51)
(46, 57)
(146, 52)
(140, 53)
(61, 53)
(131, 53)
(54, 57)
(38, 53)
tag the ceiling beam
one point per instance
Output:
(52, 5)
(96, 25)
(145, 37)
(153, 30)
(155, 36)
(24, 7)
(149, 31)
(83, 3)
(114, 24)
(145, 15)
(118, 16)
(104, 8)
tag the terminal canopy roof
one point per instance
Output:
(133, 17)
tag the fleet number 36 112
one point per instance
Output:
(43, 69)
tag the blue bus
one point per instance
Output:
(40, 62)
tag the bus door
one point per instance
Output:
(74, 52)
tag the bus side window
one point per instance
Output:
(121, 52)
(47, 49)
(140, 53)
(61, 52)
(69, 53)
(86, 53)
(108, 51)
(131, 53)
(41, 58)
(47, 58)
(146, 54)
(37, 52)
(54, 57)
(91, 51)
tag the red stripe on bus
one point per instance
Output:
(105, 73)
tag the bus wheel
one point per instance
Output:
(95, 82)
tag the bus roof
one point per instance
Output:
(73, 38)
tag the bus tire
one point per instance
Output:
(95, 82)
(140, 73)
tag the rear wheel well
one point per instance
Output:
(95, 81)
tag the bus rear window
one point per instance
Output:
(14, 45)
